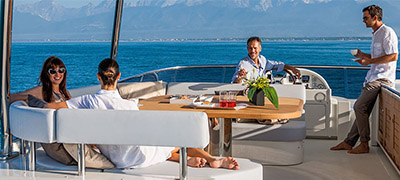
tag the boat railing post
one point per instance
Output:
(155, 76)
(22, 147)
(31, 156)
(6, 137)
(81, 160)
(346, 83)
(183, 169)
(116, 29)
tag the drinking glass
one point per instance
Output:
(231, 99)
(223, 99)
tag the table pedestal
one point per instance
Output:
(221, 137)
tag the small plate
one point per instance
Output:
(178, 99)
(203, 105)
(206, 98)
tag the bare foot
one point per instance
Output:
(360, 149)
(196, 162)
(227, 163)
(341, 146)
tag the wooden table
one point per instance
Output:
(289, 108)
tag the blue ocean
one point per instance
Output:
(82, 58)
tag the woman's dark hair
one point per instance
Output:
(374, 10)
(44, 79)
(108, 70)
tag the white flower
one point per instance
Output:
(248, 76)
(265, 76)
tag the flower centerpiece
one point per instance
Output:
(259, 86)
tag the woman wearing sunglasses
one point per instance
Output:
(52, 83)
(52, 88)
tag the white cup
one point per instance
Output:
(354, 51)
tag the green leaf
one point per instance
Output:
(251, 92)
(272, 96)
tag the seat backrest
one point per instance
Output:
(152, 128)
(291, 90)
(32, 124)
(142, 90)
(200, 88)
(84, 90)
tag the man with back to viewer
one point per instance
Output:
(383, 60)
(258, 63)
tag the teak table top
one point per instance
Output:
(289, 108)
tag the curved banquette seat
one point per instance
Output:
(152, 128)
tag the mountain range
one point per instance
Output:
(198, 19)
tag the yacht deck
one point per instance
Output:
(319, 163)
(322, 163)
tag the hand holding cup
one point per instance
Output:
(354, 52)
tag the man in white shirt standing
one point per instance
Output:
(256, 65)
(383, 60)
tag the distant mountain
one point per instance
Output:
(198, 19)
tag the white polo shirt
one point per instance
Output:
(384, 42)
(122, 156)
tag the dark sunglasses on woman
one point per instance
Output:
(54, 71)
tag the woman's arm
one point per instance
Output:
(55, 105)
(36, 91)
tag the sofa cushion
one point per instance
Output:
(84, 90)
(291, 91)
(32, 124)
(141, 90)
(155, 128)
(36, 102)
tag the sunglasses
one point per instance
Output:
(54, 71)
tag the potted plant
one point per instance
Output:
(257, 88)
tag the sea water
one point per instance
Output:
(82, 58)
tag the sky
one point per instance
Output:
(65, 3)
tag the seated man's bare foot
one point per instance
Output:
(341, 146)
(196, 162)
(360, 149)
(227, 163)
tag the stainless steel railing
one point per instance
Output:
(342, 79)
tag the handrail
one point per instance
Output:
(176, 68)
(233, 66)
(391, 90)
(343, 90)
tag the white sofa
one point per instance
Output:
(158, 128)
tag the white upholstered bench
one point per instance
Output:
(159, 128)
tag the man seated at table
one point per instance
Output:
(257, 64)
